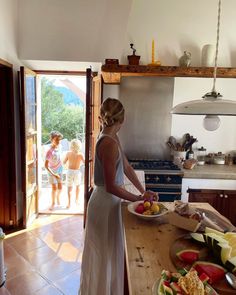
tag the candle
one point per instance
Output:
(153, 51)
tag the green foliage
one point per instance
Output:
(56, 115)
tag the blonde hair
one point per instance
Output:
(75, 145)
(111, 112)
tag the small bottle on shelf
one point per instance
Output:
(229, 160)
(190, 153)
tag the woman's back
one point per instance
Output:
(98, 169)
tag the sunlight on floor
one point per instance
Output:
(45, 202)
(45, 258)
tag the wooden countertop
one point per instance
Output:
(211, 172)
(147, 246)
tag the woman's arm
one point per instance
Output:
(108, 153)
(130, 173)
(132, 176)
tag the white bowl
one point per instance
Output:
(219, 161)
(133, 205)
(155, 287)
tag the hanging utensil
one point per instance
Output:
(173, 141)
(186, 138)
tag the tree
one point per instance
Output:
(56, 115)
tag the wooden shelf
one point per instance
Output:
(112, 73)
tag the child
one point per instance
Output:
(54, 166)
(74, 158)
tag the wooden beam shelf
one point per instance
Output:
(112, 74)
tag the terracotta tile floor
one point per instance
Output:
(46, 258)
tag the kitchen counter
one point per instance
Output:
(211, 172)
(147, 246)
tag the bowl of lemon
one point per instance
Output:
(147, 209)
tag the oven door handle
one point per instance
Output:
(169, 193)
(171, 186)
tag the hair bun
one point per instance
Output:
(107, 114)
(111, 111)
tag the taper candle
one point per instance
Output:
(153, 51)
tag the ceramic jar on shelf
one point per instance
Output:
(201, 156)
(208, 55)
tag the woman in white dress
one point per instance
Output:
(102, 270)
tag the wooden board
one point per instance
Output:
(220, 221)
(112, 73)
(185, 242)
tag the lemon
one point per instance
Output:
(147, 204)
(155, 208)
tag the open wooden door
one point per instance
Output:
(93, 102)
(29, 137)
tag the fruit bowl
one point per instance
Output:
(132, 206)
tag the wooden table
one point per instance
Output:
(147, 246)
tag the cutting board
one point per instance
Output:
(185, 242)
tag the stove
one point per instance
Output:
(161, 176)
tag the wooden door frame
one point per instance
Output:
(93, 102)
(9, 210)
(87, 140)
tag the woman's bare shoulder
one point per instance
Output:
(107, 145)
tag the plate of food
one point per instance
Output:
(182, 283)
(147, 209)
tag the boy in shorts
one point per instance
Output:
(75, 158)
(53, 164)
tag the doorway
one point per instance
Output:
(62, 108)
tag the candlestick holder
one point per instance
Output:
(155, 63)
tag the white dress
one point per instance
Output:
(102, 270)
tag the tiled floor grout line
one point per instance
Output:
(50, 282)
(64, 228)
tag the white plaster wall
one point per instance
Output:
(77, 30)
(72, 30)
(9, 31)
(181, 25)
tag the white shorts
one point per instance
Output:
(73, 177)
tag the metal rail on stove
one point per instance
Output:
(163, 177)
